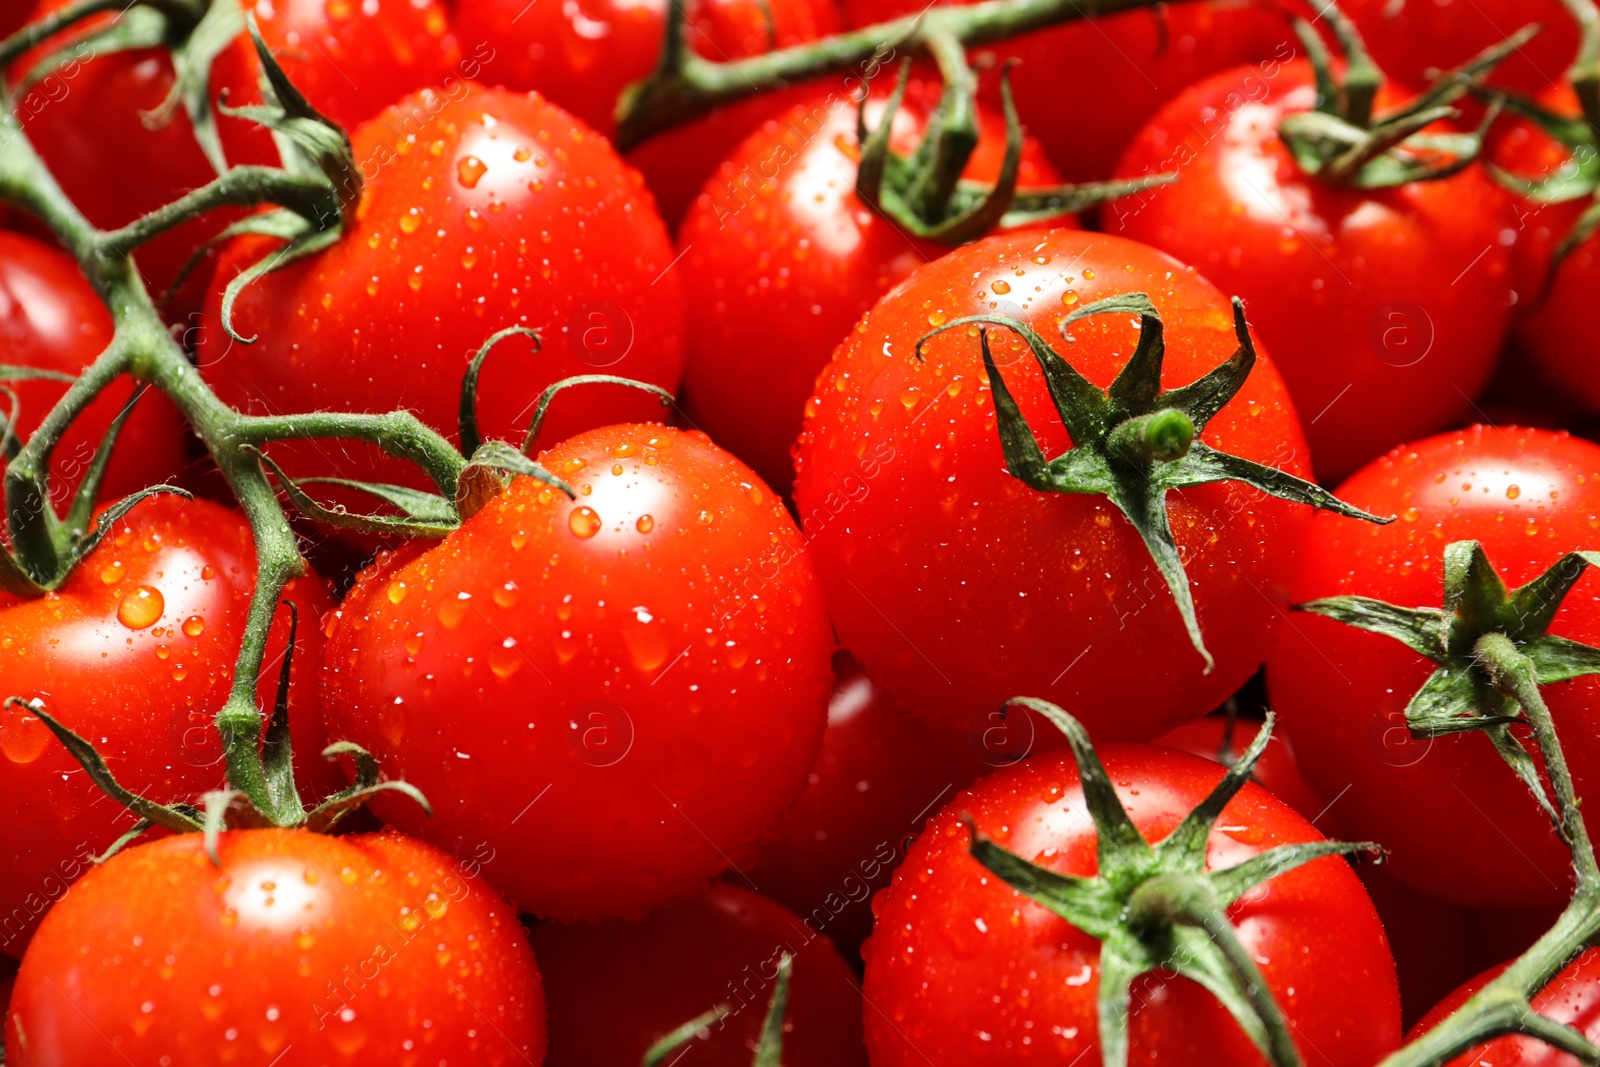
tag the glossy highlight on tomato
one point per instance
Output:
(372, 948)
(136, 652)
(963, 969)
(618, 693)
(1529, 496)
(956, 585)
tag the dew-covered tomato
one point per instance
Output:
(882, 772)
(135, 652)
(583, 53)
(294, 948)
(958, 586)
(617, 694)
(779, 235)
(91, 120)
(613, 989)
(1457, 822)
(1572, 998)
(483, 210)
(1385, 309)
(963, 969)
(51, 319)
(1083, 88)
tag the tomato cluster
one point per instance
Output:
(905, 690)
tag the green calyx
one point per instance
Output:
(769, 1046)
(924, 194)
(1342, 141)
(1156, 906)
(1135, 442)
(1490, 645)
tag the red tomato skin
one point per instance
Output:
(881, 773)
(87, 122)
(1529, 496)
(797, 246)
(686, 631)
(1552, 329)
(51, 318)
(448, 248)
(582, 55)
(1572, 997)
(615, 988)
(905, 497)
(1083, 87)
(370, 947)
(145, 697)
(1410, 40)
(1344, 285)
(1276, 771)
(962, 969)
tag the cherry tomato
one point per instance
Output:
(1409, 40)
(135, 653)
(50, 318)
(1220, 741)
(778, 235)
(955, 584)
(371, 948)
(1459, 825)
(1572, 998)
(1385, 309)
(1082, 88)
(484, 209)
(583, 54)
(618, 693)
(882, 772)
(615, 988)
(962, 969)
(89, 118)
(1552, 329)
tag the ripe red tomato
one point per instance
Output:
(51, 318)
(135, 653)
(882, 772)
(617, 694)
(582, 54)
(1552, 329)
(962, 969)
(88, 120)
(1410, 39)
(903, 489)
(1083, 88)
(1529, 496)
(778, 235)
(614, 989)
(483, 210)
(1572, 998)
(368, 948)
(1385, 309)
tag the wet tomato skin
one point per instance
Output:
(778, 234)
(615, 988)
(962, 969)
(598, 688)
(1409, 41)
(484, 209)
(1529, 496)
(51, 318)
(881, 773)
(317, 949)
(1572, 997)
(1385, 309)
(136, 652)
(959, 587)
(1276, 771)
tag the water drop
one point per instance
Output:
(23, 735)
(584, 522)
(470, 170)
(141, 608)
(194, 626)
(645, 524)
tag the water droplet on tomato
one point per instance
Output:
(507, 595)
(23, 735)
(505, 660)
(396, 592)
(645, 524)
(451, 612)
(112, 572)
(141, 607)
(470, 171)
(194, 626)
(646, 638)
(1513, 491)
(584, 522)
